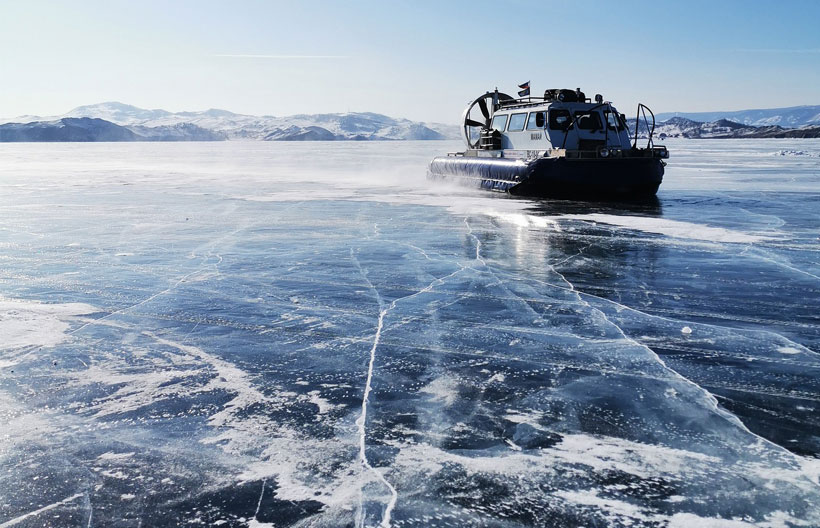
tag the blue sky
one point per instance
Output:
(419, 59)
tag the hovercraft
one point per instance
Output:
(563, 144)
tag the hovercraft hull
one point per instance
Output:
(550, 177)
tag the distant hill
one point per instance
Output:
(215, 124)
(791, 117)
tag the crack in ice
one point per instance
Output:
(757, 253)
(203, 263)
(477, 242)
(498, 280)
(362, 420)
(21, 518)
(149, 299)
(259, 504)
(714, 404)
(89, 508)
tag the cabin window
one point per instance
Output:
(588, 120)
(612, 121)
(500, 122)
(537, 121)
(517, 122)
(559, 119)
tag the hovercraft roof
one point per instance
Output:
(565, 95)
(553, 95)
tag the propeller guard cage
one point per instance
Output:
(485, 103)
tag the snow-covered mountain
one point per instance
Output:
(682, 127)
(114, 121)
(228, 125)
(791, 117)
(66, 129)
(119, 113)
(94, 129)
(722, 128)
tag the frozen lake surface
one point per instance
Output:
(283, 334)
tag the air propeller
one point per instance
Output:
(472, 127)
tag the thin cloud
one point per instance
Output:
(297, 57)
(778, 50)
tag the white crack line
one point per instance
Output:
(18, 520)
(362, 420)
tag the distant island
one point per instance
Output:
(113, 121)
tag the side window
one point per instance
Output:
(537, 121)
(500, 122)
(517, 122)
(559, 119)
(588, 120)
(612, 121)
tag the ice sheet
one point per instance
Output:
(257, 334)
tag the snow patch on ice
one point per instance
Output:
(324, 405)
(444, 390)
(115, 456)
(615, 510)
(28, 323)
(585, 454)
(116, 474)
(498, 378)
(688, 520)
(296, 479)
(253, 523)
(599, 454)
(22, 425)
(530, 418)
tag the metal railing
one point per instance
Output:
(642, 110)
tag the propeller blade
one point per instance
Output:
(482, 104)
(472, 123)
